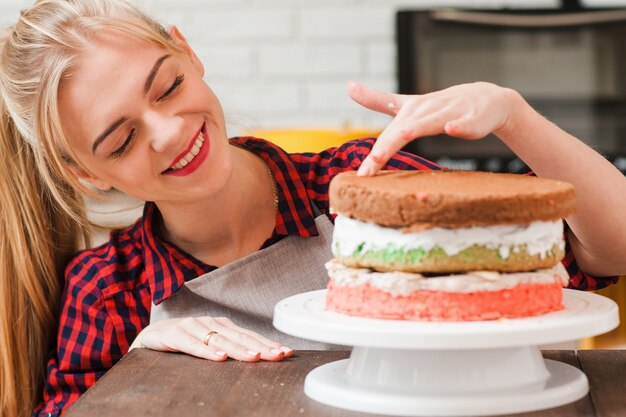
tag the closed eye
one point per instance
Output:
(177, 82)
(120, 151)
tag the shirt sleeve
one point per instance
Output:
(98, 322)
(63, 388)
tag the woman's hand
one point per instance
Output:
(210, 338)
(468, 111)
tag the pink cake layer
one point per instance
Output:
(523, 300)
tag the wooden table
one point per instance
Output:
(158, 384)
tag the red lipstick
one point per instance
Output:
(196, 161)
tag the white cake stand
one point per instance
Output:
(409, 368)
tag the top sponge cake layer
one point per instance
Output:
(415, 200)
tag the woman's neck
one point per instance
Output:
(233, 223)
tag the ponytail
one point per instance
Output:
(36, 239)
(42, 214)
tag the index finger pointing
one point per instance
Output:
(376, 100)
(381, 152)
(395, 136)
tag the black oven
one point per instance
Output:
(569, 63)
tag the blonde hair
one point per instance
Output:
(41, 207)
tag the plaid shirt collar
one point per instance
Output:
(168, 267)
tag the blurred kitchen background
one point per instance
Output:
(280, 69)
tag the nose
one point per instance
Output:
(163, 130)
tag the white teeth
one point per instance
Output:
(195, 150)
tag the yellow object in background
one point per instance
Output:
(615, 339)
(311, 140)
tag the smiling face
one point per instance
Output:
(142, 120)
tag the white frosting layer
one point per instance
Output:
(404, 283)
(538, 237)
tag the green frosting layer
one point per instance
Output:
(474, 257)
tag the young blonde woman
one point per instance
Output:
(95, 91)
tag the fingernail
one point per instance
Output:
(253, 353)
(220, 353)
(276, 351)
(286, 349)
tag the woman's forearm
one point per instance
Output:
(598, 229)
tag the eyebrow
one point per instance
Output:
(146, 88)
(153, 73)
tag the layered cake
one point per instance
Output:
(447, 245)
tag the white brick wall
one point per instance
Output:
(285, 63)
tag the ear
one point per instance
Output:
(85, 176)
(182, 43)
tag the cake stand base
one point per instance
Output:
(333, 385)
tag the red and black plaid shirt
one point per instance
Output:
(109, 289)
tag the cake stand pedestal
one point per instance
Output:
(408, 368)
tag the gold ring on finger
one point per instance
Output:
(208, 337)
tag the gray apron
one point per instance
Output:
(247, 289)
